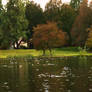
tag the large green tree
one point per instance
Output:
(52, 11)
(13, 23)
(4, 40)
(67, 17)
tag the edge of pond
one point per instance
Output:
(25, 58)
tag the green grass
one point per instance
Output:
(58, 52)
(19, 52)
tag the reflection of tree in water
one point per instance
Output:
(45, 77)
(79, 74)
(66, 75)
(69, 75)
(8, 76)
(13, 76)
(31, 77)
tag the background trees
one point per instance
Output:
(17, 20)
(34, 15)
(4, 36)
(52, 12)
(64, 15)
(13, 23)
(67, 17)
(48, 36)
(82, 22)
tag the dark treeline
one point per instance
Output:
(18, 20)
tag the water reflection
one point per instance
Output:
(66, 75)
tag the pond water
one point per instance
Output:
(73, 74)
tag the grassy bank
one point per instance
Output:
(58, 52)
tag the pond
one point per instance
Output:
(69, 74)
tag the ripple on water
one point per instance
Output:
(5, 83)
(5, 66)
(90, 89)
(69, 90)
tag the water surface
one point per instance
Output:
(73, 74)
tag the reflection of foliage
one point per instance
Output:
(47, 36)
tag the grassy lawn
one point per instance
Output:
(58, 52)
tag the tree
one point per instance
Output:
(14, 23)
(4, 39)
(64, 15)
(48, 36)
(34, 15)
(67, 17)
(52, 11)
(82, 22)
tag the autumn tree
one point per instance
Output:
(82, 22)
(89, 39)
(48, 36)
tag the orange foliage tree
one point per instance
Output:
(89, 39)
(82, 23)
(48, 36)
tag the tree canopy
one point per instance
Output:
(20, 19)
(48, 36)
(34, 15)
(82, 22)
(13, 23)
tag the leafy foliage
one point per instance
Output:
(67, 17)
(34, 15)
(13, 24)
(52, 12)
(48, 36)
(20, 21)
(82, 22)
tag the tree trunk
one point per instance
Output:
(18, 44)
(70, 39)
